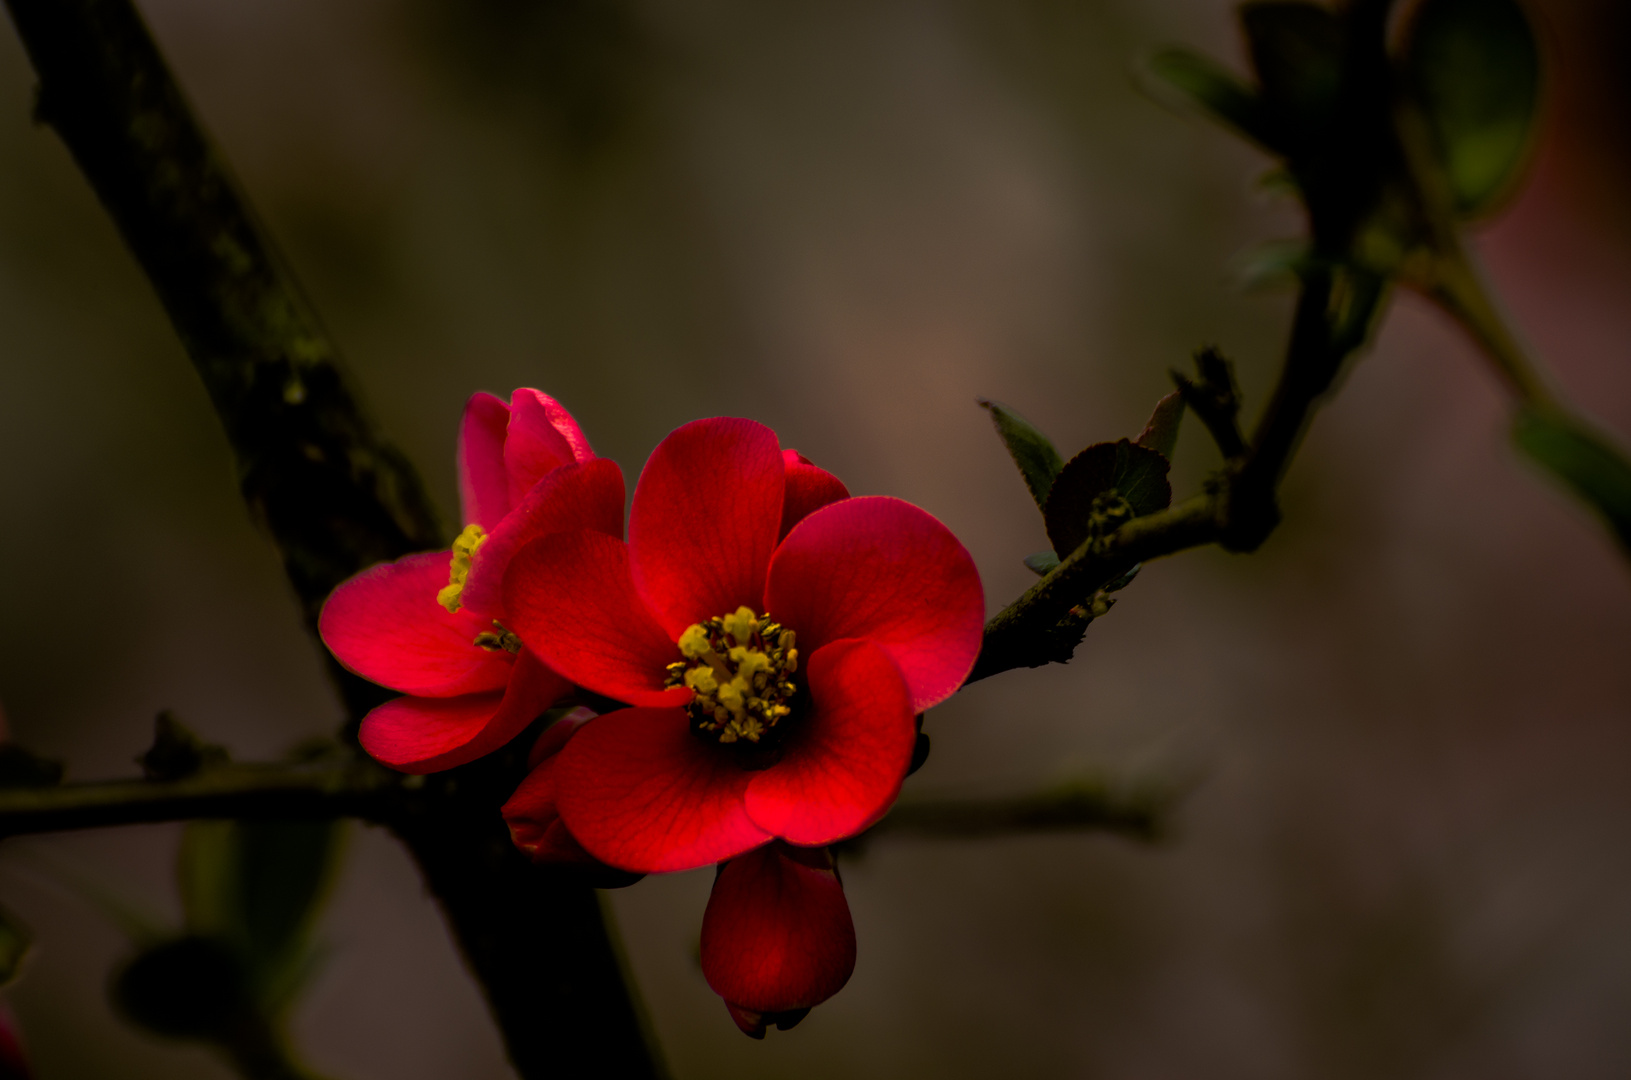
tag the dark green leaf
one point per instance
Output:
(1215, 89)
(1119, 471)
(1161, 433)
(257, 885)
(1038, 461)
(1296, 49)
(15, 941)
(1596, 470)
(1041, 562)
(1476, 68)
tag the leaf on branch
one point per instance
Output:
(256, 886)
(1102, 486)
(1214, 88)
(176, 752)
(1161, 433)
(1584, 460)
(1038, 461)
(1040, 562)
(1475, 69)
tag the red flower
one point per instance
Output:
(431, 625)
(775, 640)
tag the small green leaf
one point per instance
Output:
(1296, 50)
(15, 942)
(1041, 562)
(1476, 68)
(1584, 460)
(176, 752)
(1215, 89)
(257, 886)
(21, 768)
(1161, 433)
(1123, 472)
(1038, 461)
(186, 988)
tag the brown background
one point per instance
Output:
(1409, 854)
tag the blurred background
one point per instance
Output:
(1409, 852)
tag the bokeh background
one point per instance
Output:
(1408, 853)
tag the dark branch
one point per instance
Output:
(335, 498)
(1238, 509)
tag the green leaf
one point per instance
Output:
(15, 942)
(1296, 50)
(1584, 460)
(1215, 89)
(1038, 461)
(257, 886)
(1119, 471)
(1476, 68)
(1161, 433)
(1041, 562)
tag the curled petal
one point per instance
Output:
(542, 436)
(484, 486)
(808, 489)
(572, 497)
(704, 521)
(385, 625)
(842, 766)
(882, 570)
(641, 793)
(777, 936)
(425, 735)
(531, 813)
(570, 598)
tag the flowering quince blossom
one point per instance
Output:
(775, 640)
(431, 625)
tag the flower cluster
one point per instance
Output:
(770, 641)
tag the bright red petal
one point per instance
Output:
(570, 599)
(883, 570)
(425, 735)
(808, 489)
(842, 767)
(386, 625)
(535, 444)
(484, 486)
(572, 497)
(642, 793)
(704, 521)
(777, 935)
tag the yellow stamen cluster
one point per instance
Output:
(464, 549)
(740, 666)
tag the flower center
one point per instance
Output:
(464, 549)
(740, 666)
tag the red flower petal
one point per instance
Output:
(570, 599)
(572, 497)
(484, 485)
(808, 489)
(777, 935)
(842, 767)
(642, 793)
(386, 625)
(531, 813)
(704, 521)
(424, 735)
(542, 436)
(883, 570)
